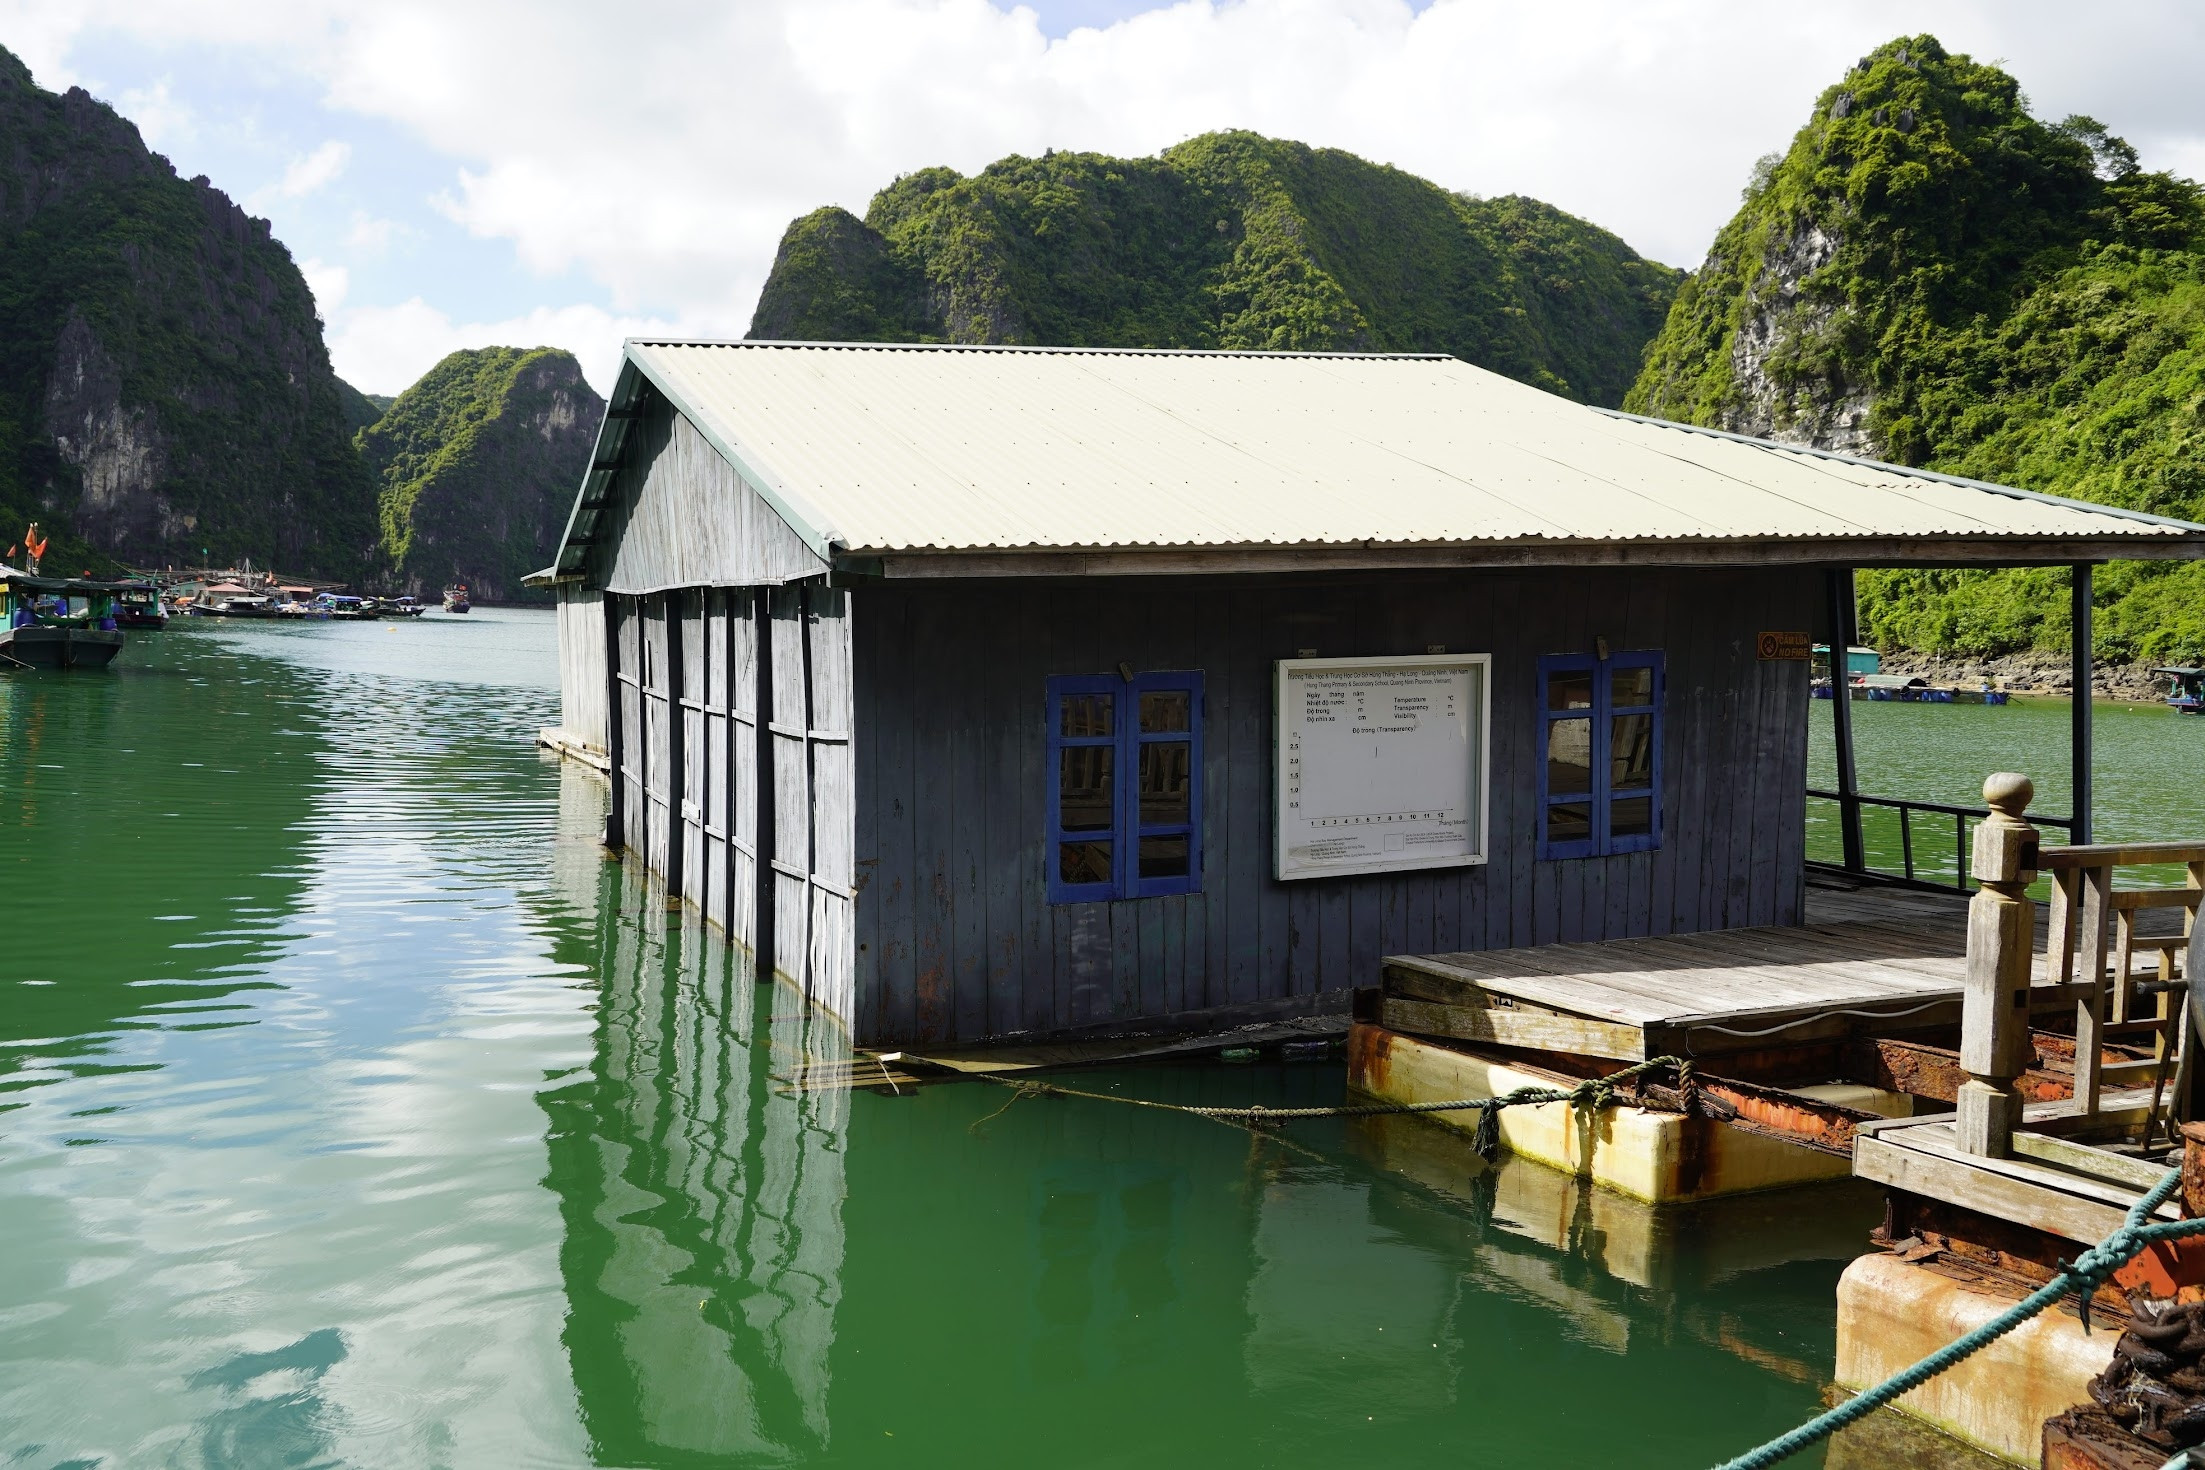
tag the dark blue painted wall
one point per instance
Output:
(955, 938)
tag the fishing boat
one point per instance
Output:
(138, 605)
(46, 628)
(229, 600)
(398, 607)
(344, 608)
(2185, 690)
(455, 598)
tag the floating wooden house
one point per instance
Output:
(991, 692)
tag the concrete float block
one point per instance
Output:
(1891, 1315)
(1662, 1158)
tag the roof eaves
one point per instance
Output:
(1906, 472)
(1015, 347)
(805, 519)
(612, 437)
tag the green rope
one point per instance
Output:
(2085, 1274)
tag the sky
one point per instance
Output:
(462, 173)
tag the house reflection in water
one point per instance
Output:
(758, 1275)
(702, 1202)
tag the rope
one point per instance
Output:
(1794, 1025)
(1592, 1095)
(2083, 1276)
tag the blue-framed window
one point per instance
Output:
(1125, 786)
(1600, 754)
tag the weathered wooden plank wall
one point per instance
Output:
(729, 763)
(830, 955)
(582, 707)
(682, 517)
(788, 773)
(629, 752)
(954, 940)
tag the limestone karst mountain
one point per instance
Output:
(1932, 275)
(1227, 240)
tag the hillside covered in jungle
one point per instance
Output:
(1228, 240)
(1932, 275)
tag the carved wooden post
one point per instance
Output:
(1994, 1023)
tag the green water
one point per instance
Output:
(355, 1111)
(2149, 773)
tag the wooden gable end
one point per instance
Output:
(687, 518)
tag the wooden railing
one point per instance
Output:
(2091, 955)
(1907, 808)
(2094, 945)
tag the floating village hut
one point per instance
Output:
(1014, 692)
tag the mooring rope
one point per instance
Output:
(2085, 1274)
(1592, 1095)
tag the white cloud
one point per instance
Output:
(384, 349)
(315, 171)
(329, 283)
(656, 149)
(371, 236)
(162, 120)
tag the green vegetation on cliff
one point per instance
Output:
(1229, 240)
(361, 409)
(478, 463)
(164, 388)
(1932, 276)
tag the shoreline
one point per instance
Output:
(2033, 674)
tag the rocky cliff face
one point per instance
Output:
(1782, 314)
(478, 464)
(1920, 200)
(164, 388)
(1931, 275)
(1229, 240)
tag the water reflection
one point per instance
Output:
(702, 1198)
(153, 825)
(493, 1160)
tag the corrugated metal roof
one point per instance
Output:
(878, 449)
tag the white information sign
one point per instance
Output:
(1381, 763)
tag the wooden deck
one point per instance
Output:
(2049, 1183)
(1869, 959)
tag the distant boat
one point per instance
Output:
(455, 598)
(229, 600)
(138, 605)
(344, 608)
(398, 607)
(43, 629)
(2185, 690)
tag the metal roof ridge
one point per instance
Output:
(2011, 492)
(1038, 348)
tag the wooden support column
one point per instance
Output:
(677, 763)
(615, 746)
(1994, 1020)
(2187, 1072)
(2079, 758)
(1844, 618)
(763, 926)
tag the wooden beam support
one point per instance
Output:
(1519, 1028)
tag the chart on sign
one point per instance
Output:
(1381, 764)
